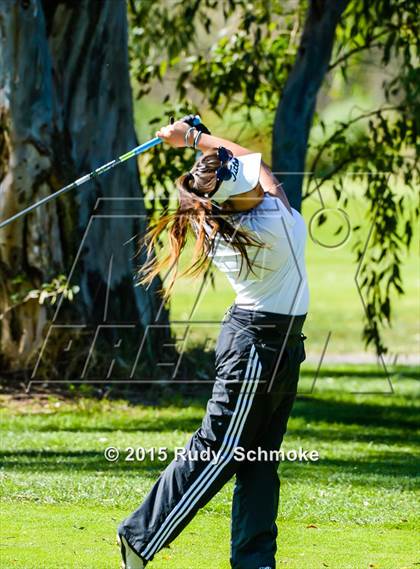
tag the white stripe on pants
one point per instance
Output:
(210, 473)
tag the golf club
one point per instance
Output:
(192, 120)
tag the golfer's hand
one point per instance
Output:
(174, 134)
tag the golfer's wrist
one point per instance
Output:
(205, 142)
(192, 138)
(189, 136)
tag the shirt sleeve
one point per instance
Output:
(271, 221)
(276, 210)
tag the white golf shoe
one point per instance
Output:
(130, 559)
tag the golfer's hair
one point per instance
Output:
(197, 215)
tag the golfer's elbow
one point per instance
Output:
(267, 178)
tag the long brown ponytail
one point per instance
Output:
(196, 214)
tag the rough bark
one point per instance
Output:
(65, 109)
(297, 106)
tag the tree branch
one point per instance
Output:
(343, 128)
(357, 49)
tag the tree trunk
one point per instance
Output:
(297, 106)
(65, 109)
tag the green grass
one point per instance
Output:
(61, 501)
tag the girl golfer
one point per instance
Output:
(240, 218)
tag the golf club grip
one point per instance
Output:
(194, 120)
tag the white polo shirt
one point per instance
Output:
(278, 282)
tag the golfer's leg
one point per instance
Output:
(232, 416)
(256, 492)
(253, 542)
(255, 502)
(174, 499)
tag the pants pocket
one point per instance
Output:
(302, 350)
(275, 361)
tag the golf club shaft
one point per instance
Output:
(80, 181)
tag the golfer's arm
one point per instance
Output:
(208, 142)
(271, 185)
(268, 181)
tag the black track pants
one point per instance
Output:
(258, 355)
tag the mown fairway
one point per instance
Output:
(355, 508)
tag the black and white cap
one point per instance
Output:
(245, 175)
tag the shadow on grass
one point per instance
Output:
(363, 370)
(80, 461)
(356, 413)
(309, 408)
(375, 437)
(391, 467)
(349, 419)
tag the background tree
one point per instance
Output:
(65, 109)
(274, 57)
